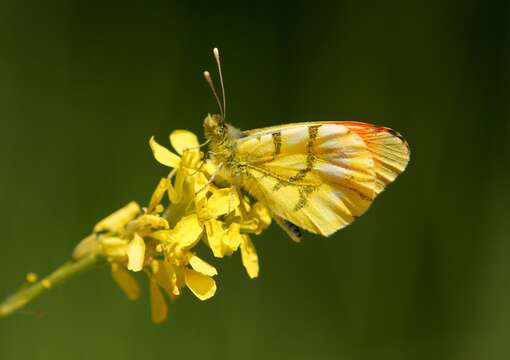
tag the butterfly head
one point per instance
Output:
(220, 135)
(215, 129)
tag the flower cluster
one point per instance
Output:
(192, 205)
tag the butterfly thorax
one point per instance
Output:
(221, 137)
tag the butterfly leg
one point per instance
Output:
(211, 180)
(200, 145)
(236, 191)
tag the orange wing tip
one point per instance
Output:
(365, 130)
(389, 149)
(374, 128)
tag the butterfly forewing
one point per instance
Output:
(389, 150)
(319, 176)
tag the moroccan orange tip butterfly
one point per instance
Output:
(319, 176)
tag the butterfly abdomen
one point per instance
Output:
(291, 229)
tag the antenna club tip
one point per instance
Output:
(207, 74)
(216, 51)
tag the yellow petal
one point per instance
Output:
(188, 231)
(169, 277)
(215, 233)
(202, 267)
(201, 182)
(113, 246)
(249, 257)
(159, 308)
(87, 246)
(262, 214)
(158, 194)
(182, 140)
(222, 201)
(201, 207)
(175, 192)
(163, 235)
(250, 226)
(136, 253)
(116, 221)
(163, 278)
(178, 278)
(163, 155)
(185, 234)
(201, 285)
(126, 282)
(191, 160)
(232, 238)
(209, 168)
(147, 223)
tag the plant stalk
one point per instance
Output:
(60, 275)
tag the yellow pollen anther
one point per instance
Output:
(154, 266)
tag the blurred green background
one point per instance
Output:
(425, 274)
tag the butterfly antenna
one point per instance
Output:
(207, 77)
(216, 53)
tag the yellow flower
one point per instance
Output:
(172, 277)
(161, 238)
(186, 233)
(210, 210)
(246, 219)
(195, 205)
(188, 168)
(185, 144)
(189, 271)
(103, 239)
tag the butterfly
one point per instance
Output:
(318, 176)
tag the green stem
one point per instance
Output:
(61, 274)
